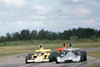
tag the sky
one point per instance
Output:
(51, 15)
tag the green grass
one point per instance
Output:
(95, 54)
(30, 42)
(95, 65)
(17, 47)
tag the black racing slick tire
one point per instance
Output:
(52, 56)
(83, 55)
(26, 58)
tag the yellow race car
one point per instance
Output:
(41, 55)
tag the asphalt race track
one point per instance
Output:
(19, 61)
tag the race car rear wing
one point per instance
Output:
(72, 49)
(44, 50)
(47, 50)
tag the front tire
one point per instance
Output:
(26, 58)
(57, 61)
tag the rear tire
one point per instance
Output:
(83, 55)
(52, 56)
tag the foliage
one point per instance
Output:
(74, 37)
(95, 65)
(73, 34)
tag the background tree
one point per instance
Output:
(98, 33)
(2, 39)
(25, 35)
(90, 32)
(74, 32)
(52, 36)
(49, 35)
(33, 35)
(69, 34)
(65, 35)
(41, 34)
(8, 37)
(15, 36)
(81, 33)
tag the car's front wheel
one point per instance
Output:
(57, 61)
(26, 58)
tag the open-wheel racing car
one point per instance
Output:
(41, 55)
(71, 55)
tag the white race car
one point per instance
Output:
(71, 55)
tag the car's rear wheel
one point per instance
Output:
(52, 56)
(83, 55)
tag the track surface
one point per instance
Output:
(19, 61)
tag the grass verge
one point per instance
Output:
(95, 65)
(95, 54)
(18, 47)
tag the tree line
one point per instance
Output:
(74, 33)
